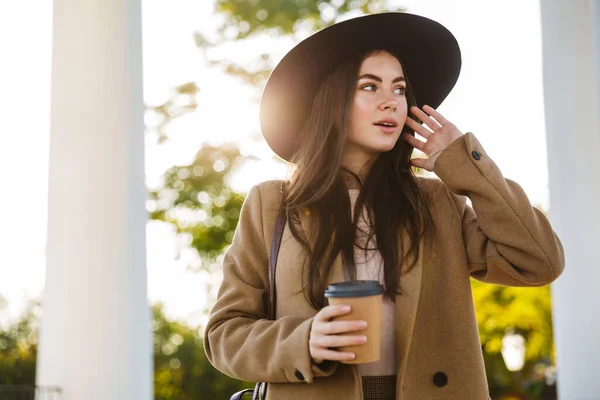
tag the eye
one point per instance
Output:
(400, 90)
(371, 87)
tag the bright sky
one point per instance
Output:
(498, 97)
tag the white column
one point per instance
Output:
(95, 337)
(570, 32)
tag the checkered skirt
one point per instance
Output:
(379, 387)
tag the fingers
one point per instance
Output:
(335, 327)
(326, 354)
(444, 133)
(426, 164)
(329, 312)
(417, 127)
(438, 117)
(427, 120)
(339, 340)
(322, 324)
(443, 130)
(322, 347)
(326, 335)
(414, 142)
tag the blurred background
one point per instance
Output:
(205, 63)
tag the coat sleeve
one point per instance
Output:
(507, 240)
(239, 340)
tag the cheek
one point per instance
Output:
(360, 109)
(359, 117)
(403, 105)
(402, 111)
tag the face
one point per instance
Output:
(378, 111)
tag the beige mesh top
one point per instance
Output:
(370, 267)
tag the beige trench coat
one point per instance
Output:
(501, 239)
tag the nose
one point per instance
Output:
(389, 103)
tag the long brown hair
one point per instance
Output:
(318, 185)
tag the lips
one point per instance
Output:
(387, 125)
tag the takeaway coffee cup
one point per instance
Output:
(365, 299)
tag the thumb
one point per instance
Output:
(421, 163)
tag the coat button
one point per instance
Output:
(440, 379)
(299, 375)
(476, 155)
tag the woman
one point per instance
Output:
(343, 107)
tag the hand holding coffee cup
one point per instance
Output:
(365, 300)
(325, 334)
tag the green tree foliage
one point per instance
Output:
(528, 312)
(198, 200)
(181, 369)
(18, 347)
(244, 18)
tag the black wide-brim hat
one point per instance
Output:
(429, 53)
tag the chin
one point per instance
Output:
(383, 147)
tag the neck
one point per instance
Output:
(361, 168)
(359, 162)
(361, 171)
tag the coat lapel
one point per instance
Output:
(406, 305)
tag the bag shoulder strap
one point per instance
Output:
(275, 244)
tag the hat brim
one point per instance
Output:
(429, 53)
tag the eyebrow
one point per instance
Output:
(378, 79)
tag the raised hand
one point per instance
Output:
(440, 134)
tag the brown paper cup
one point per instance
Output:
(365, 299)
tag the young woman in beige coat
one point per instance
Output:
(343, 108)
